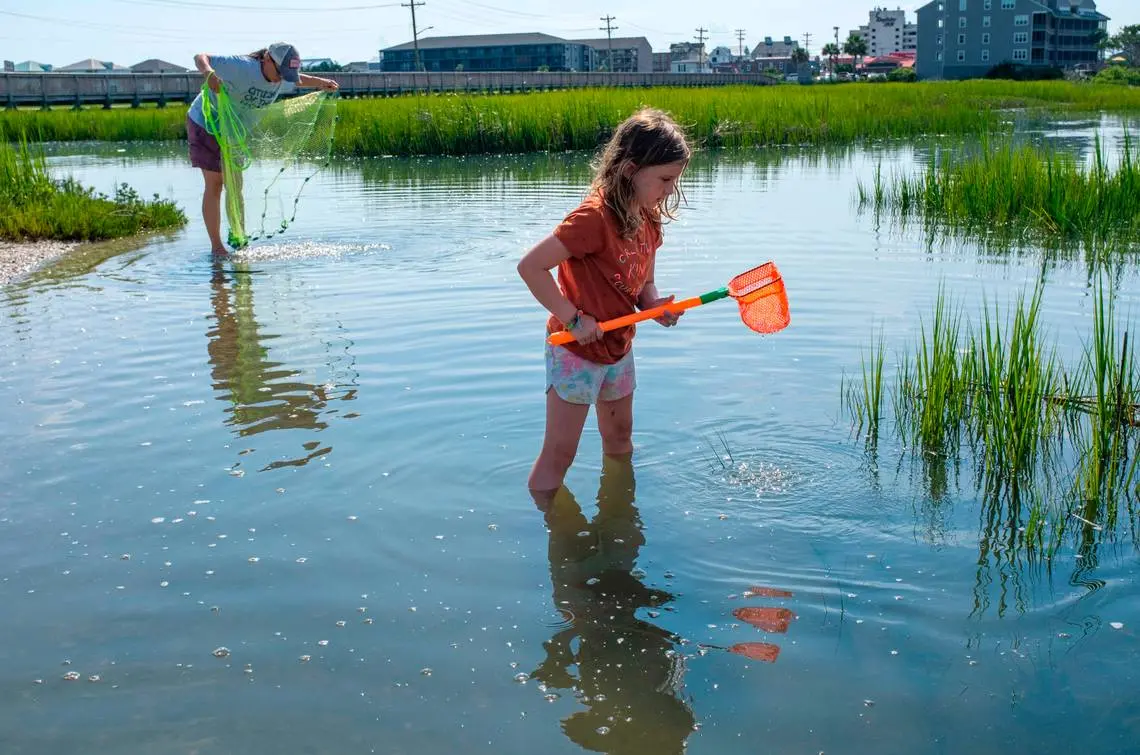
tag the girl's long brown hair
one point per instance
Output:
(646, 139)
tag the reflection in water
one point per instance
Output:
(263, 394)
(629, 672)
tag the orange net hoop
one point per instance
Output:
(762, 298)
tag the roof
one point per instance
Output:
(625, 42)
(481, 40)
(91, 64)
(155, 64)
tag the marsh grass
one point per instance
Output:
(1051, 444)
(34, 205)
(1017, 193)
(582, 119)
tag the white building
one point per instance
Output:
(694, 62)
(887, 31)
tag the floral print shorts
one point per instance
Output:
(580, 381)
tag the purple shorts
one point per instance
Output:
(204, 150)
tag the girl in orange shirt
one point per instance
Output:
(604, 251)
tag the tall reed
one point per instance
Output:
(735, 116)
(1025, 191)
(1050, 444)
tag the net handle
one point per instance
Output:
(674, 307)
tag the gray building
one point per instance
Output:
(960, 39)
(491, 52)
(631, 54)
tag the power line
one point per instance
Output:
(807, 42)
(740, 38)
(609, 29)
(190, 4)
(701, 50)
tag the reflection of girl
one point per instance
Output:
(253, 82)
(630, 681)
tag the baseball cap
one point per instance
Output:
(287, 60)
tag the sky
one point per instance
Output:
(126, 32)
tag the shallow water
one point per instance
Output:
(314, 456)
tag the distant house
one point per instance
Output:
(357, 66)
(691, 63)
(308, 64)
(91, 65)
(154, 65)
(888, 63)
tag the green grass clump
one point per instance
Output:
(581, 119)
(1051, 443)
(1022, 192)
(35, 206)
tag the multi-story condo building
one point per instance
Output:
(887, 31)
(959, 39)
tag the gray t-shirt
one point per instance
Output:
(248, 89)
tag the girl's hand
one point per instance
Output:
(587, 330)
(669, 319)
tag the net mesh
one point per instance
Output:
(762, 298)
(274, 158)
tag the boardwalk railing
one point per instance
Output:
(107, 89)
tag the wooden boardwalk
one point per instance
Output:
(108, 89)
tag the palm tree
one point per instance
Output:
(832, 51)
(856, 47)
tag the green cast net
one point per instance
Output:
(274, 157)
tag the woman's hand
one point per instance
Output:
(328, 85)
(213, 81)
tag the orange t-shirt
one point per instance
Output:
(604, 274)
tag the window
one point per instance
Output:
(988, 4)
(961, 56)
(962, 6)
(961, 22)
(1008, 4)
(939, 56)
(939, 40)
(961, 40)
(985, 56)
(1021, 20)
(987, 21)
(1021, 54)
(986, 38)
(940, 23)
(1021, 38)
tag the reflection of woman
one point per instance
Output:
(629, 680)
(264, 395)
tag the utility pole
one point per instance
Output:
(740, 39)
(701, 50)
(807, 43)
(609, 30)
(836, 35)
(415, 35)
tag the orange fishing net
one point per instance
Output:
(762, 298)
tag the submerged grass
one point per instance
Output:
(34, 206)
(1052, 444)
(737, 116)
(1022, 192)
